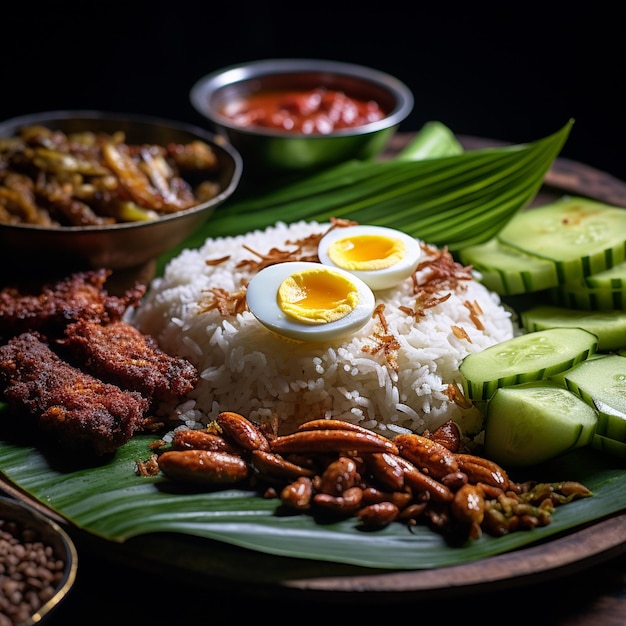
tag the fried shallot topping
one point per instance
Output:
(437, 274)
(234, 303)
(384, 341)
(442, 273)
(455, 395)
(305, 250)
(225, 302)
(475, 313)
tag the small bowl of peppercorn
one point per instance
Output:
(38, 564)
(298, 115)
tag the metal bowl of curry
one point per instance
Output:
(90, 189)
(293, 115)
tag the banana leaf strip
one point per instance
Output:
(109, 501)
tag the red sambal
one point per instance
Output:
(315, 111)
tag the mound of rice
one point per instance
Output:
(247, 369)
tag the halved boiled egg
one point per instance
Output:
(309, 301)
(380, 256)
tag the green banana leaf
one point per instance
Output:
(108, 500)
(454, 200)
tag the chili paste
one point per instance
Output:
(314, 111)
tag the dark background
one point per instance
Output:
(511, 73)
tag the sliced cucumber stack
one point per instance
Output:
(534, 422)
(610, 446)
(603, 291)
(562, 242)
(584, 243)
(508, 271)
(580, 236)
(608, 326)
(575, 247)
(524, 358)
(587, 298)
(601, 383)
(572, 252)
(613, 278)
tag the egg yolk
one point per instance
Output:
(317, 296)
(366, 252)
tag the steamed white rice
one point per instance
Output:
(247, 369)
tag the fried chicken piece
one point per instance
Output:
(120, 353)
(80, 296)
(81, 412)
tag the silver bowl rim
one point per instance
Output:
(89, 114)
(232, 74)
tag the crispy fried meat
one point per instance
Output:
(119, 353)
(81, 296)
(80, 411)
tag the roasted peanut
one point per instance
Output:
(344, 469)
(377, 515)
(454, 480)
(242, 431)
(491, 492)
(339, 476)
(372, 495)
(468, 505)
(386, 470)
(324, 441)
(335, 424)
(200, 440)
(480, 470)
(274, 466)
(203, 466)
(418, 481)
(332, 424)
(431, 457)
(346, 504)
(298, 494)
(412, 511)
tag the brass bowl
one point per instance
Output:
(52, 535)
(270, 150)
(119, 246)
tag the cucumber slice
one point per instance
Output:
(603, 291)
(524, 358)
(534, 422)
(508, 271)
(581, 236)
(581, 296)
(605, 444)
(608, 326)
(613, 279)
(601, 383)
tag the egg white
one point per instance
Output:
(384, 278)
(261, 297)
